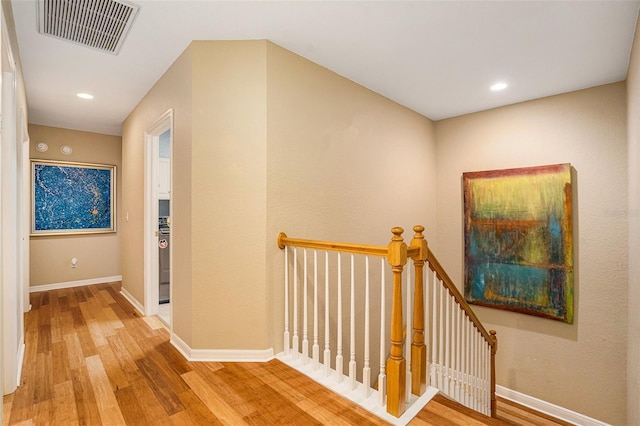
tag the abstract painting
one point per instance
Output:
(518, 245)
(72, 198)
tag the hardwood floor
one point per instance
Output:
(515, 414)
(91, 359)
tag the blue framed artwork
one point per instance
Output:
(519, 241)
(72, 198)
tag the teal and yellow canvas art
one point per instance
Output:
(518, 240)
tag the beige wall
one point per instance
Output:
(633, 136)
(273, 138)
(98, 254)
(229, 194)
(343, 164)
(217, 91)
(580, 366)
(173, 90)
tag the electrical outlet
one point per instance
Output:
(74, 262)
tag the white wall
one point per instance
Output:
(12, 274)
(560, 363)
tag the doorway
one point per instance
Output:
(164, 223)
(158, 209)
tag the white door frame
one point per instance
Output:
(25, 214)
(151, 258)
(11, 161)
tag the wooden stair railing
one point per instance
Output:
(489, 336)
(397, 253)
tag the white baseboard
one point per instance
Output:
(342, 387)
(134, 302)
(68, 284)
(221, 355)
(208, 355)
(547, 407)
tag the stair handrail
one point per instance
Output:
(397, 252)
(364, 249)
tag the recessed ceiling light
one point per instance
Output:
(499, 86)
(41, 147)
(85, 96)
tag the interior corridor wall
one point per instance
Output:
(217, 90)
(633, 137)
(228, 167)
(98, 254)
(172, 90)
(578, 366)
(343, 164)
(275, 143)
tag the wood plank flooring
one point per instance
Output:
(91, 359)
(516, 414)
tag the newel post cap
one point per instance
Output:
(420, 242)
(397, 249)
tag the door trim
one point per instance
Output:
(151, 290)
(11, 265)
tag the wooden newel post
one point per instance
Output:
(494, 349)
(396, 364)
(418, 348)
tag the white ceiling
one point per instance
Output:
(436, 57)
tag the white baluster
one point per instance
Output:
(434, 325)
(305, 322)
(469, 352)
(454, 347)
(327, 349)
(481, 374)
(294, 345)
(478, 373)
(447, 344)
(474, 372)
(463, 319)
(478, 387)
(339, 333)
(441, 340)
(287, 343)
(484, 376)
(487, 378)
(452, 363)
(465, 356)
(382, 376)
(352, 331)
(427, 316)
(366, 370)
(470, 364)
(316, 348)
(458, 340)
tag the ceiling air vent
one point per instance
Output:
(98, 24)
